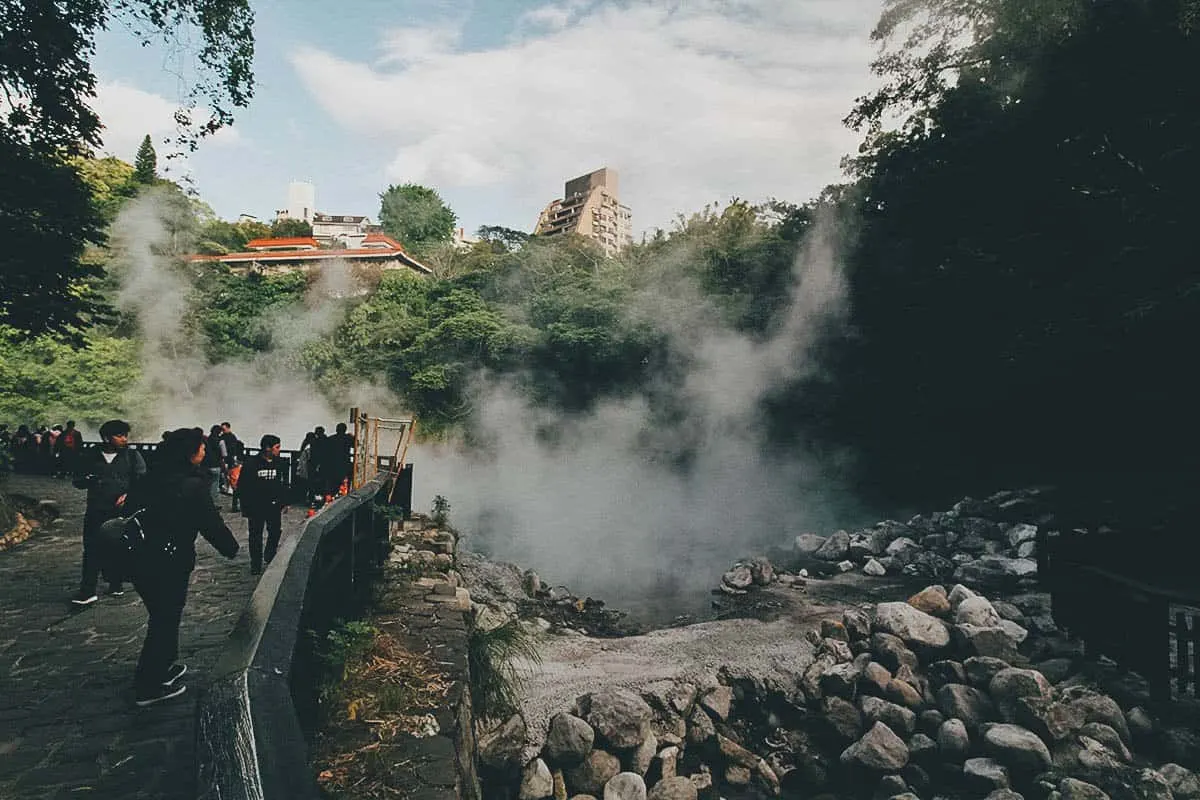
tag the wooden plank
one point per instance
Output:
(1181, 652)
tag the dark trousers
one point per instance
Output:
(270, 517)
(164, 591)
(93, 556)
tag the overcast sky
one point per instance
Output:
(496, 104)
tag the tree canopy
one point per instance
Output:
(288, 227)
(416, 216)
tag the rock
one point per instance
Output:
(841, 719)
(1004, 794)
(50, 509)
(874, 679)
(1009, 611)
(1184, 783)
(1020, 534)
(928, 565)
(891, 651)
(1141, 724)
(531, 583)
(840, 680)
(931, 600)
(977, 611)
(700, 727)
(921, 747)
(1027, 550)
(806, 544)
(866, 544)
(916, 777)
(901, 720)
(943, 672)
(904, 693)
(1107, 736)
(832, 629)
(735, 753)
(619, 717)
(762, 571)
(835, 548)
(568, 740)
(1056, 670)
(966, 703)
(874, 568)
(625, 786)
(845, 566)
(914, 627)
(890, 786)
(1009, 685)
(1049, 719)
(1072, 789)
(502, 745)
(900, 546)
(880, 749)
(929, 721)
(981, 669)
(1016, 748)
(643, 756)
(674, 788)
(590, 775)
(536, 781)
(958, 593)
(836, 649)
(560, 785)
(718, 701)
(857, 622)
(737, 776)
(1151, 785)
(1014, 631)
(739, 577)
(979, 641)
(954, 743)
(1102, 708)
(668, 760)
(985, 775)
(991, 569)
(701, 780)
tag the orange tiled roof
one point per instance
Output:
(284, 241)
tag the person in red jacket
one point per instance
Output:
(68, 447)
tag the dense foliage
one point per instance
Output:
(416, 216)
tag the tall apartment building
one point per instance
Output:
(589, 207)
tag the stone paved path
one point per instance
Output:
(68, 725)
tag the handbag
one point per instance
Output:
(123, 541)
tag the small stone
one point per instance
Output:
(874, 568)
(832, 629)
(914, 627)
(891, 651)
(590, 775)
(673, 788)
(857, 623)
(981, 669)
(929, 721)
(625, 786)
(718, 702)
(739, 577)
(966, 703)
(1141, 724)
(1056, 670)
(891, 786)
(874, 678)
(959, 593)
(845, 566)
(921, 747)
(536, 781)
(1009, 685)
(932, 600)
(1072, 789)
(985, 775)
(806, 544)
(841, 718)
(944, 672)
(899, 719)
(835, 548)
(1184, 783)
(568, 740)
(976, 611)
(953, 740)
(880, 749)
(1016, 748)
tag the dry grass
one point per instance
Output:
(387, 693)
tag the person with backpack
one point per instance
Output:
(176, 506)
(108, 471)
(263, 494)
(232, 451)
(69, 446)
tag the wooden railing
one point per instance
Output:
(251, 723)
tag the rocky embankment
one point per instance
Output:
(945, 694)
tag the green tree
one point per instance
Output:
(416, 216)
(288, 227)
(46, 214)
(145, 166)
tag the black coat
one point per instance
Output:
(261, 487)
(177, 507)
(106, 482)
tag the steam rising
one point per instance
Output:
(615, 503)
(604, 505)
(266, 394)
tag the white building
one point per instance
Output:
(340, 230)
(301, 202)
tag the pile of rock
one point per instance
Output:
(931, 697)
(990, 542)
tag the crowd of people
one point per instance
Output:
(171, 493)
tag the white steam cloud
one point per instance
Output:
(600, 504)
(179, 388)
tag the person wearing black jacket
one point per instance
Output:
(108, 472)
(176, 506)
(262, 493)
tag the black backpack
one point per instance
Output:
(122, 542)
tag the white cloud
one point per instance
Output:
(689, 104)
(129, 114)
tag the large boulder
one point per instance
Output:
(984, 775)
(1016, 748)
(1008, 686)
(879, 750)
(1072, 789)
(674, 788)
(619, 717)
(841, 719)
(967, 703)
(990, 641)
(901, 720)
(625, 786)
(932, 600)
(835, 548)
(914, 627)
(953, 740)
(977, 611)
(501, 745)
(981, 669)
(568, 740)
(1101, 708)
(536, 781)
(1184, 783)
(807, 544)
(892, 652)
(590, 775)
(1049, 719)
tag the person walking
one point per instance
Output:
(108, 472)
(212, 460)
(341, 459)
(177, 505)
(262, 491)
(69, 447)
